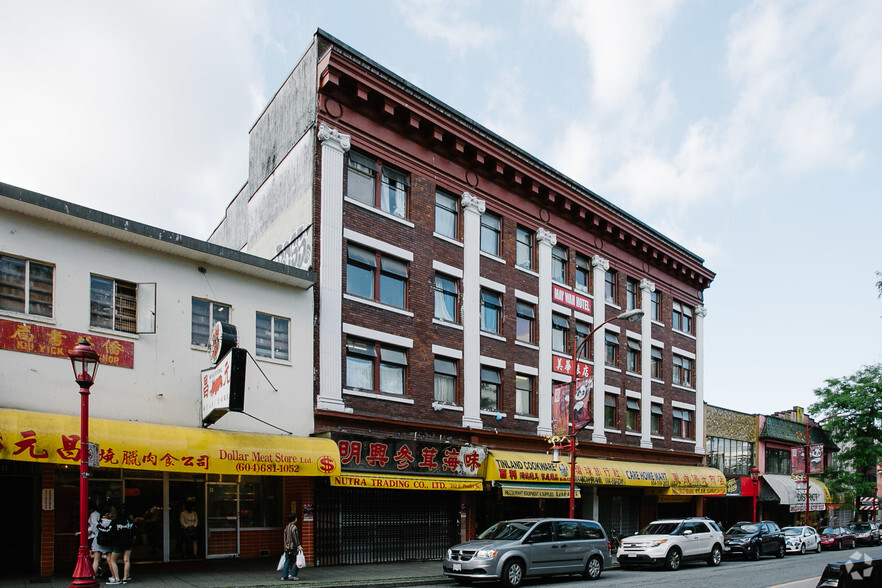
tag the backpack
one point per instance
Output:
(124, 533)
(106, 535)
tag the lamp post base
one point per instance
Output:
(83, 576)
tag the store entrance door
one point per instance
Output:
(222, 500)
(181, 493)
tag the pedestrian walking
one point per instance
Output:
(123, 542)
(102, 545)
(291, 540)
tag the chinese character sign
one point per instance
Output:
(42, 340)
(406, 456)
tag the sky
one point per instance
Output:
(748, 132)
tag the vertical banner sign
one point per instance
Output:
(560, 410)
(815, 458)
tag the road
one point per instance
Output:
(794, 571)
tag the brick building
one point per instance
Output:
(455, 273)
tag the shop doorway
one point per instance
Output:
(181, 493)
(143, 499)
(222, 501)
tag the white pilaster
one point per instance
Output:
(546, 241)
(334, 147)
(700, 313)
(599, 266)
(472, 209)
(646, 290)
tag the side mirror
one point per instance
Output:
(687, 532)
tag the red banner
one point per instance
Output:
(571, 299)
(560, 406)
(41, 340)
(564, 365)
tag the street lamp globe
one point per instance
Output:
(84, 360)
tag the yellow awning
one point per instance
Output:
(55, 438)
(393, 482)
(537, 467)
(515, 490)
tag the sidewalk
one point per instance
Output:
(230, 573)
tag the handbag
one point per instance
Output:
(301, 560)
(281, 563)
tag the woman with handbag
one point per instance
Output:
(293, 549)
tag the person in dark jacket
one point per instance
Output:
(123, 541)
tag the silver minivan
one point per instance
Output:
(510, 551)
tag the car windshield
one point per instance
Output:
(745, 529)
(659, 529)
(861, 527)
(830, 531)
(792, 531)
(506, 530)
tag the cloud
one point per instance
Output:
(447, 22)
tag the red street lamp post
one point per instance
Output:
(754, 475)
(84, 360)
(808, 465)
(572, 443)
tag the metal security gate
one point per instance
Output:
(356, 526)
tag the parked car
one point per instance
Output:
(865, 532)
(802, 539)
(751, 540)
(837, 538)
(511, 551)
(670, 542)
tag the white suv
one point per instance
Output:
(669, 542)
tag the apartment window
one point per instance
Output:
(656, 363)
(655, 420)
(559, 329)
(26, 286)
(374, 367)
(583, 274)
(731, 456)
(633, 356)
(445, 381)
(446, 215)
(681, 317)
(682, 373)
(632, 414)
(271, 339)
(113, 305)
(524, 399)
(491, 312)
(203, 315)
(612, 349)
(526, 322)
(388, 285)
(391, 193)
(525, 248)
(446, 299)
(490, 386)
(778, 461)
(632, 294)
(609, 292)
(491, 227)
(559, 264)
(655, 305)
(610, 420)
(584, 341)
(683, 424)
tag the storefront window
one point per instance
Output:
(260, 502)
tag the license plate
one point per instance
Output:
(457, 567)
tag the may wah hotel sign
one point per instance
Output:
(52, 342)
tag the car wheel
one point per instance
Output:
(593, 568)
(781, 551)
(673, 560)
(818, 549)
(802, 549)
(754, 552)
(715, 557)
(513, 573)
(839, 545)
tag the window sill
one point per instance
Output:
(447, 239)
(494, 414)
(441, 323)
(379, 212)
(492, 336)
(679, 440)
(532, 346)
(612, 304)
(375, 396)
(685, 334)
(610, 368)
(273, 360)
(657, 381)
(633, 434)
(444, 406)
(47, 320)
(657, 437)
(526, 417)
(634, 374)
(493, 257)
(680, 387)
(379, 305)
(111, 332)
(527, 271)
(659, 323)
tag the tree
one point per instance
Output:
(879, 283)
(851, 408)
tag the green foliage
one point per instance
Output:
(851, 408)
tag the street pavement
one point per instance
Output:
(230, 573)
